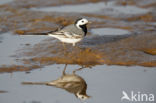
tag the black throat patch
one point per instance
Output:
(84, 28)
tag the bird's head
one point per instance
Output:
(80, 22)
(82, 96)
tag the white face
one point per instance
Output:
(82, 97)
(82, 22)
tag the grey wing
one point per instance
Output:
(69, 31)
(72, 87)
(67, 34)
(58, 34)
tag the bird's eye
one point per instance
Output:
(82, 97)
(82, 21)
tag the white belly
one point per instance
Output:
(67, 40)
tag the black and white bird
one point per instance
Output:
(70, 82)
(72, 33)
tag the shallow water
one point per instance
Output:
(105, 84)
(109, 31)
(5, 1)
(11, 43)
(105, 7)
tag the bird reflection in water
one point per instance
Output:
(72, 83)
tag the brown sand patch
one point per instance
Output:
(14, 68)
(151, 51)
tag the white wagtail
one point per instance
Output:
(70, 82)
(72, 33)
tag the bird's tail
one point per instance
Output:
(36, 33)
(46, 33)
(34, 83)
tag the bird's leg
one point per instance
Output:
(64, 47)
(78, 69)
(64, 71)
(76, 46)
(73, 44)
